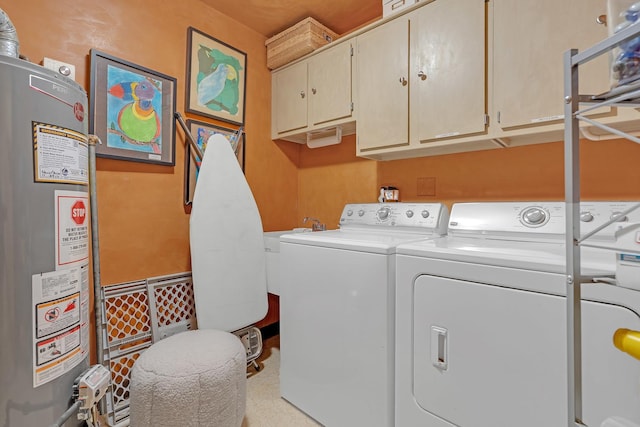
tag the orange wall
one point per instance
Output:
(609, 170)
(329, 177)
(143, 226)
(332, 176)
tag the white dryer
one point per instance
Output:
(337, 310)
(481, 326)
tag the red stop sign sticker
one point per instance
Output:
(78, 212)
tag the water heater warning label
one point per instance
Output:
(54, 316)
(60, 322)
(60, 154)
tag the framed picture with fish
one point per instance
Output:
(131, 110)
(201, 132)
(216, 74)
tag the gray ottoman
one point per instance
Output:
(192, 379)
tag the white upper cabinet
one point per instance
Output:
(421, 79)
(313, 93)
(529, 40)
(448, 69)
(448, 76)
(330, 84)
(383, 86)
(289, 99)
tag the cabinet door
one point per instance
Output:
(330, 84)
(383, 89)
(290, 98)
(448, 69)
(529, 42)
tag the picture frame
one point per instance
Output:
(201, 133)
(140, 128)
(216, 78)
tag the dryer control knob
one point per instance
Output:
(349, 212)
(361, 212)
(534, 216)
(586, 216)
(621, 219)
(383, 213)
(425, 213)
(409, 213)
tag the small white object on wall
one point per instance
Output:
(67, 70)
(389, 7)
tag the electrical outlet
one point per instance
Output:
(68, 70)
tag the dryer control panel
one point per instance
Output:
(428, 217)
(536, 219)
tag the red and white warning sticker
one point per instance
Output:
(72, 228)
(58, 327)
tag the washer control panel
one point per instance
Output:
(430, 216)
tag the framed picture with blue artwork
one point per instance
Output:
(131, 111)
(216, 74)
(201, 133)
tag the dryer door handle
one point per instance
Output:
(439, 347)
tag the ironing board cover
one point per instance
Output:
(227, 244)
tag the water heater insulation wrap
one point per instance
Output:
(28, 222)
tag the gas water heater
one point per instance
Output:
(44, 235)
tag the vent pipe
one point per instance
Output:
(8, 37)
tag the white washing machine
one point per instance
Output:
(481, 327)
(337, 310)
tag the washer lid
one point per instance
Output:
(537, 256)
(364, 241)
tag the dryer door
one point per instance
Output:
(487, 356)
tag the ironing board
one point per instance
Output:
(227, 244)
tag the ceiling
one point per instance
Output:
(269, 17)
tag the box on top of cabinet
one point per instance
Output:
(389, 7)
(297, 41)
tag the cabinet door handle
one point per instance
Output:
(601, 19)
(422, 75)
(302, 94)
(313, 90)
(403, 81)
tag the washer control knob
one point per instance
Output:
(621, 219)
(425, 213)
(349, 212)
(534, 216)
(586, 216)
(361, 212)
(383, 213)
(409, 213)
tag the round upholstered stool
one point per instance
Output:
(192, 379)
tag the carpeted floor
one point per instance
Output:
(265, 407)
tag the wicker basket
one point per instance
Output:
(295, 42)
